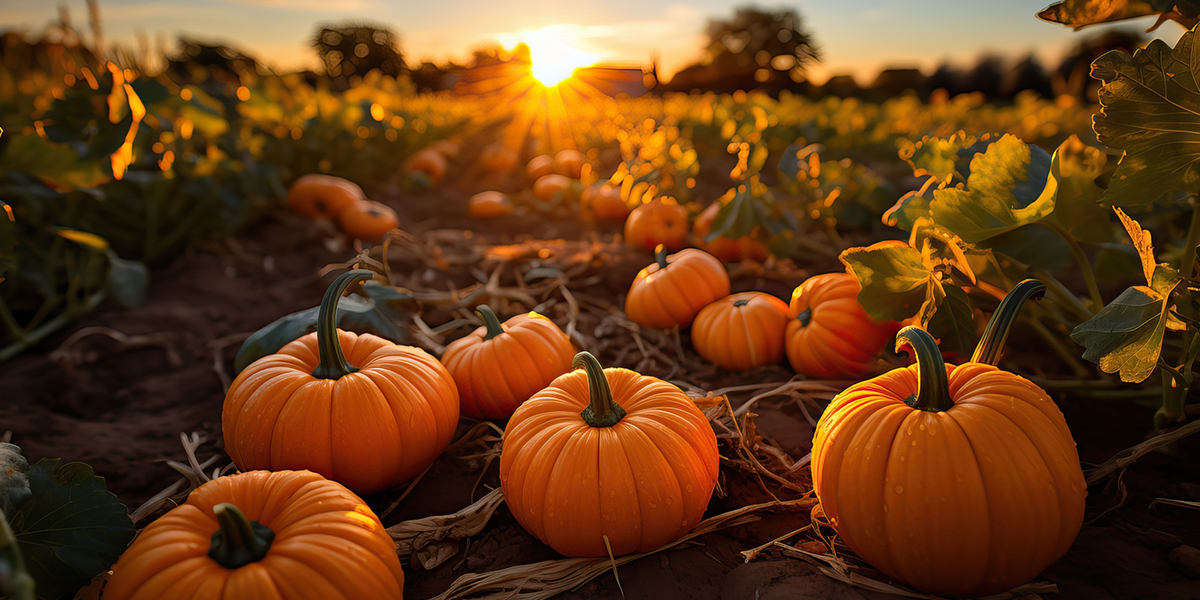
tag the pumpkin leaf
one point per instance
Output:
(128, 281)
(1034, 245)
(739, 217)
(1142, 242)
(14, 478)
(58, 162)
(71, 528)
(911, 207)
(1082, 13)
(1077, 201)
(1126, 336)
(895, 279)
(954, 322)
(1150, 109)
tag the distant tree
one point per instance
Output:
(985, 76)
(217, 62)
(947, 77)
(351, 50)
(1072, 75)
(1027, 74)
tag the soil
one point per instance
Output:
(122, 408)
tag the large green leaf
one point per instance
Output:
(1150, 108)
(1126, 336)
(1077, 202)
(896, 283)
(71, 529)
(58, 162)
(14, 478)
(1081, 13)
(954, 322)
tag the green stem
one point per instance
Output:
(15, 581)
(333, 363)
(1177, 382)
(239, 541)
(660, 255)
(933, 388)
(490, 321)
(1089, 276)
(805, 317)
(996, 333)
(44, 330)
(1068, 355)
(1188, 263)
(602, 410)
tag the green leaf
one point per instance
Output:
(1077, 202)
(1035, 245)
(954, 322)
(1150, 109)
(1081, 13)
(1126, 336)
(1009, 186)
(61, 163)
(14, 478)
(71, 529)
(127, 282)
(739, 217)
(896, 283)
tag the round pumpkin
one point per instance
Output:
(603, 202)
(569, 163)
(829, 334)
(549, 186)
(489, 204)
(539, 166)
(741, 331)
(368, 220)
(660, 221)
(287, 535)
(958, 480)
(428, 161)
(323, 196)
(671, 291)
(726, 249)
(497, 367)
(608, 453)
(357, 409)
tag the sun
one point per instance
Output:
(555, 59)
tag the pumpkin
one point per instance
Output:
(829, 334)
(671, 291)
(357, 409)
(608, 453)
(660, 221)
(569, 163)
(322, 196)
(428, 161)
(498, 158)
(268, 536)
(602, 202)
(497, 367)
(368, 220)
(549, 186)
(726, 249)
(489, 204)
(958, 480)
(539, 166)
(741, 331)
(446, 148)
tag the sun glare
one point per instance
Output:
(554, 58)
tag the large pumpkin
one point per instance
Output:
(726, 249)
(608, 453)
(288, 535)
(960, 481)
(671, 291)
(742, 331)
(829, 334)
(661, 221)
(497, 367)
(357, 409)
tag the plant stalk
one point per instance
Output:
(489, 321)
(1085, 266)
(933, 388)
(333, 363)
(602, 410)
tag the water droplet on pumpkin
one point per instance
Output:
(689, 487)
(922, 428)
(914, 442)
(668, 501)
(899, 489)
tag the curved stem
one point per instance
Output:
(996, 333)
(741, 302)
(490, 321)
(933, 388)
(805, 317)
(602, 410)
(333, 363)
(1089, 276)
(660, 255)
(239, 541)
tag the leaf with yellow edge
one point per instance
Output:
(1142, 242)
(896, 281)
(90, 240)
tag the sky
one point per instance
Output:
(856, 37)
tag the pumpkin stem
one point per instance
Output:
(660, 255)
(239, 541)
(742, 302)
(805, 317)
(933, 388)
(333, 363)
(602, 410)
(992, 343)
(490, 321)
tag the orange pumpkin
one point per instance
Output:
(539, 166)
(428, 161)
(549, 186)
(958, 480)
(370, 427)
(489, 204)
(446, 148)
(497, 367)
(661, 221)
(323, 196)
(608, 453)
(829, 334)
(671, 291)
(498, 158)
(368, 220)
(268, 536)
(603, 202)
(569, 163)
(726, 249)
(741, 331)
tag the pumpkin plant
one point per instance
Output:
(497, 367)
(429, 161)
(671, 291)
(726, 249)
(368, 220)
(661, 221)
(741, 331)
(323, 196)
(608, 459)
(266, 536)
(829, 334)
(357, 409)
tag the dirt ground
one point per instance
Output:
(122, 408)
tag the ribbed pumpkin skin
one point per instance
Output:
(840, 341)
(328, 546)
(741, 337)
(726, 249)
(643, 482)
(495, 376)
(369, 430)
(968, 502)
(664, 298)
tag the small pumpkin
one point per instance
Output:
(323, 196)
(267, 536)
(569, 163)
(741, 331)
(671, 291)
(489, 204)
(726, 249)
(608, 453)
(660, 221)
(497, 367)
(829, 334)
(368, 220)
(549, 186)
(539, 166)
(428, 161)
(370, 427)
(603, 202)
(447, 148)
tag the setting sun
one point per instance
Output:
(554, 59)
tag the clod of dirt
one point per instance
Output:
(1186, 560)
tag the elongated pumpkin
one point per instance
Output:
(357, 409)
(497, 367)
(741, 331)
(829, 334)
(287, 535)
(608, 453)
(671, 291)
